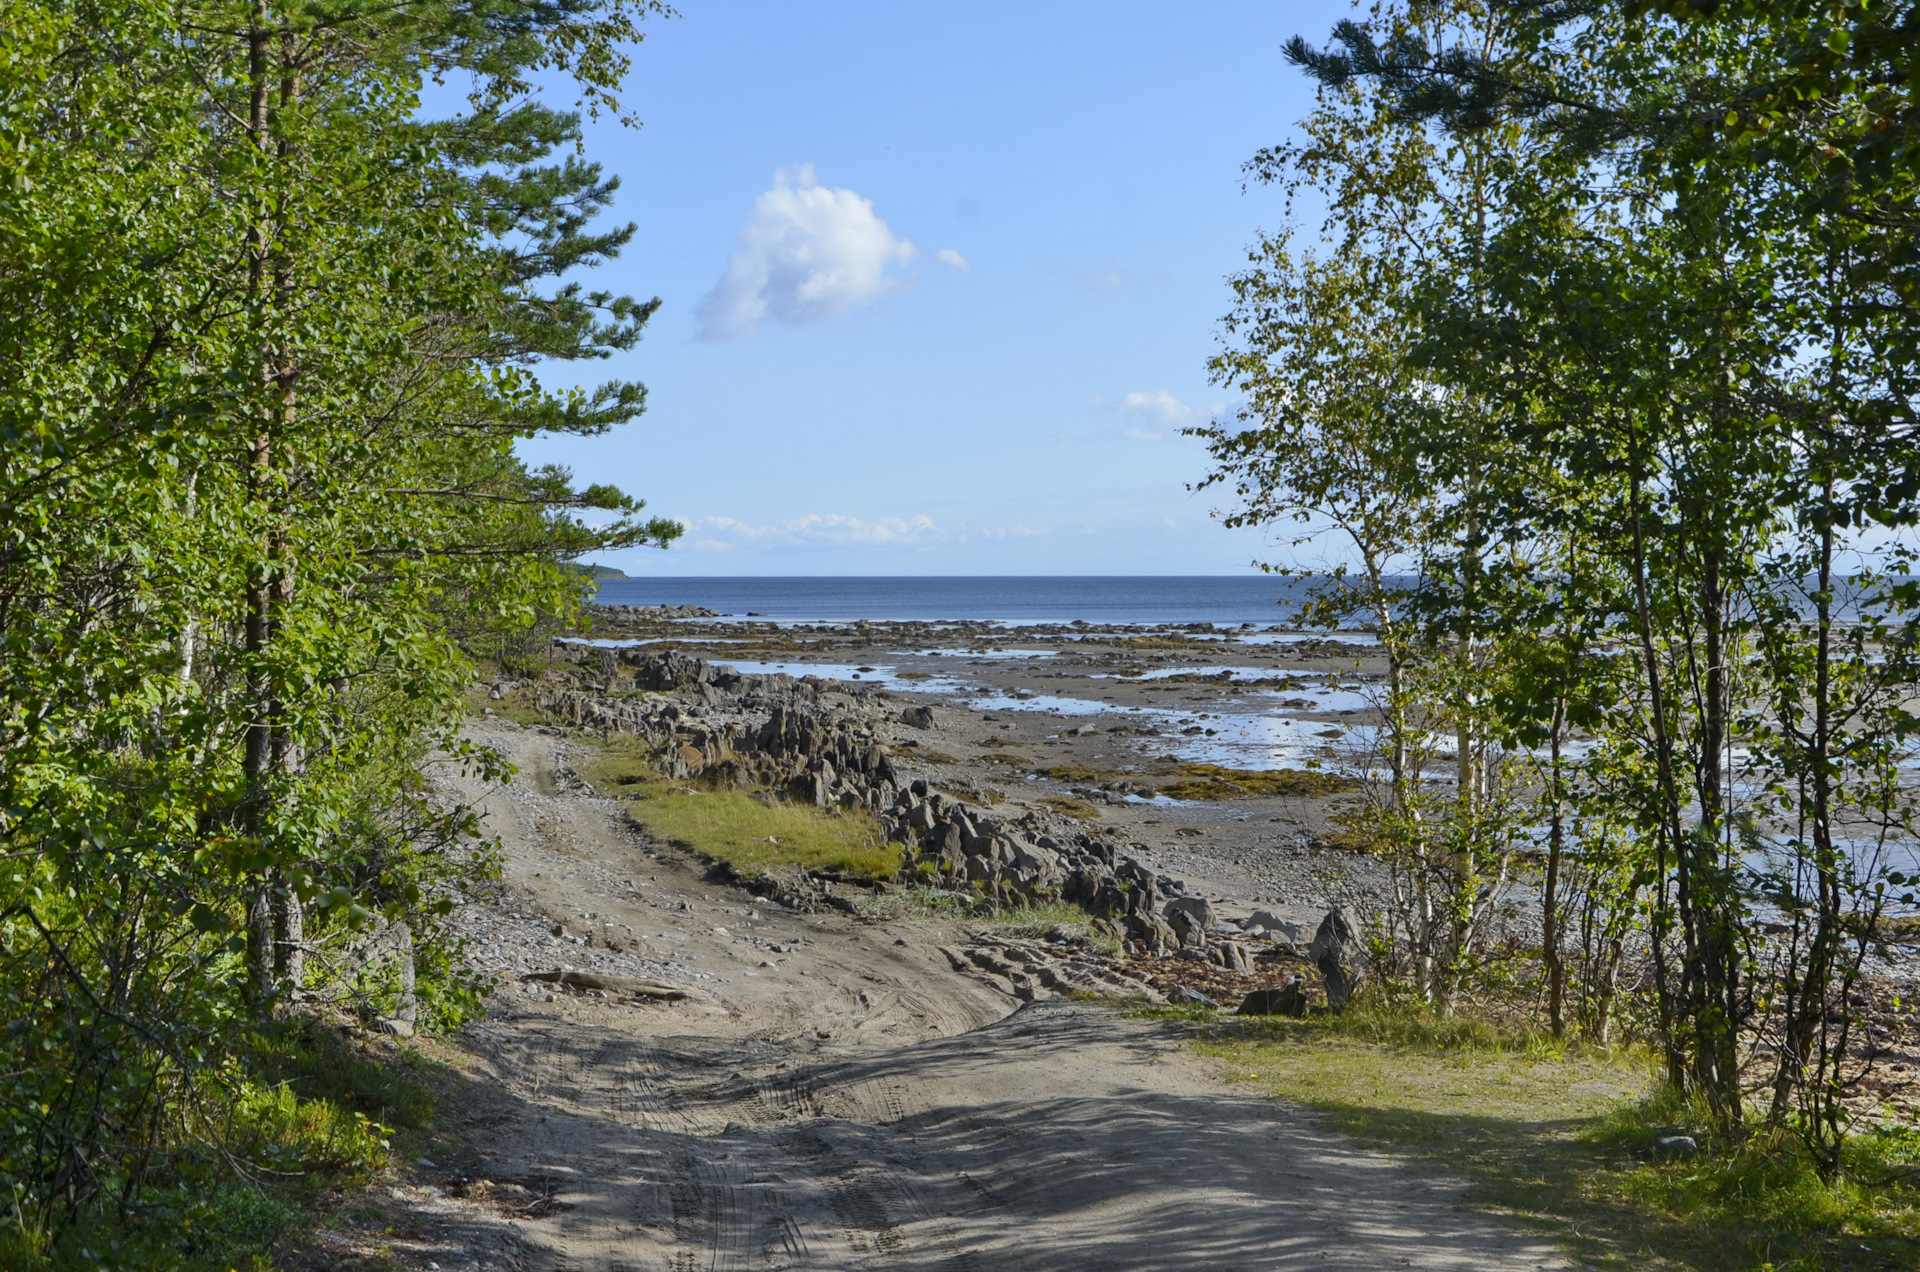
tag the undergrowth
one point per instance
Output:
(302, 1113)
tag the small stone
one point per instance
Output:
(1182, 996)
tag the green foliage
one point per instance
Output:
(271, 338)
(316, 1063)
(1609, 350)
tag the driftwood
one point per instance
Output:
(632, 985)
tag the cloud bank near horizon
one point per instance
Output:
(722, 534)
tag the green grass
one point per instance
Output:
(756, 838)
(750, 836)
(1559, 1139)
(316, 1063)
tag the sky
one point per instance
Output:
(939, 284)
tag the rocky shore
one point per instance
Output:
(866, 743)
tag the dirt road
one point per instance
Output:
(837, 1096)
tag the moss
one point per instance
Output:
(1069, 807)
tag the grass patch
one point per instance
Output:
(753, 833)
(1559, 1140)
(1067, 806)
(516, 705)
(1213, 781)
(756, 838)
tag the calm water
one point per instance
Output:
(1223, 599)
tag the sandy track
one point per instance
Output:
(880, 1111)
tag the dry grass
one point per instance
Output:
(1212, 781)
(1559, 1140)
(1067, 806)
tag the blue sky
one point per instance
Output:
(940, 284)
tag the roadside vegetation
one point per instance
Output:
(1562, 1138)
(1593, 356)
(269, 328)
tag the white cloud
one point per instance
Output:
(1154, 414)
(947, 256)
(806, 251)
(721, 534)
(1158, 405)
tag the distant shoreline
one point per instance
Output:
(1229, 600)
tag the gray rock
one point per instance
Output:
(1264, 923)
(1336, 952)
(1233, 956)
(1035, 858)
(1288, 1000)
(918, 717)
(1181, 996)
(1188, 917)
(1677, 1146)
(1196, 906)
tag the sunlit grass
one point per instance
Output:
(1559, 1138)
(754, 838)
(752, 832)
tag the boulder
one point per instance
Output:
(1035, 858)
(1336, 952)
(920, 717)
(1289, 999)
(1188, 917)
(1264, 923)
(1229, 955)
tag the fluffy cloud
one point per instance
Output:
(1159, 406)
(1152, 415)
(947, 256)
(807, 251)
(719, 534)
